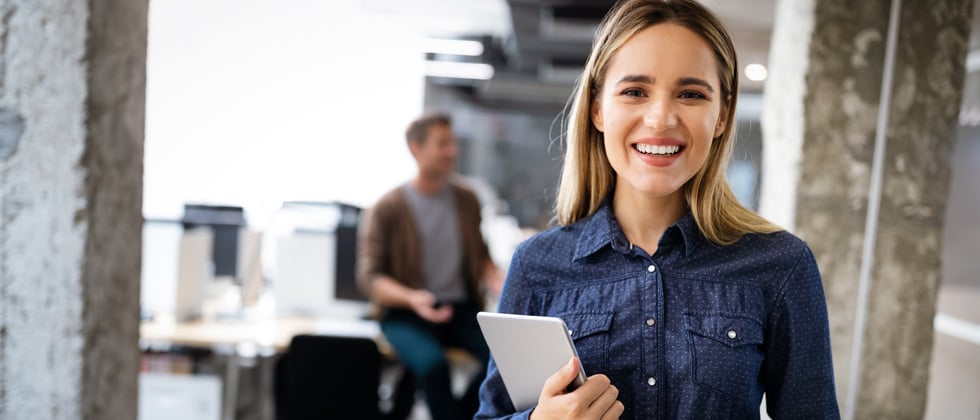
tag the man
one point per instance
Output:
(421, 260)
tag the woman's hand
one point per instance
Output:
(595, 399)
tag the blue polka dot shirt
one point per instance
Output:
(696, 331)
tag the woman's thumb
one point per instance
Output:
(557, 383)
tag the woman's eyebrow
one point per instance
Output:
(635, 78)
(684, 81)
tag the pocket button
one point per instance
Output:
(732, 334)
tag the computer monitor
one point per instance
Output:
(315, 248)
(225, 222)
(345, 280)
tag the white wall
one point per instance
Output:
(252, 102)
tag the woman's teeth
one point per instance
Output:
(650, 149)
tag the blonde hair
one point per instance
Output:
(587, 177)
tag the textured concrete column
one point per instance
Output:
(72, 89)
(820, 128)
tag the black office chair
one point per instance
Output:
(323, 377)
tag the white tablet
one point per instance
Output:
(527, 350)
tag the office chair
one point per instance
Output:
(323, 377)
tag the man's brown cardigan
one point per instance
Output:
(389, 243)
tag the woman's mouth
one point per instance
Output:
(655, 150)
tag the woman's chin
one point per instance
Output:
(655, 188)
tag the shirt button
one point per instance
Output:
(651, 381)
(732, 334)
(650, 322)
(651, 268)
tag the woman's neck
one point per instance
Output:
(645, 217)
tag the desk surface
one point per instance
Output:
(274, 333)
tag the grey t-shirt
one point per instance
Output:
(442, 246)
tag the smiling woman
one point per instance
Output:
(711, 306)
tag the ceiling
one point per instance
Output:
(538, 47)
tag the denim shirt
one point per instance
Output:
(696, 331)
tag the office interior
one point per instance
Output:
(271, 128)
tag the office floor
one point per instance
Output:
(954, 377)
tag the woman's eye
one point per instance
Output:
(635, 93)
(692, 94)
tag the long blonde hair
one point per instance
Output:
(587, 177)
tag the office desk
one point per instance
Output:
(272, 334)
(242, 341)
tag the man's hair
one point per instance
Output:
(418, 130)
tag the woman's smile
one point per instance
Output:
(659, 151)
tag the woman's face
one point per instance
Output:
(659, 108)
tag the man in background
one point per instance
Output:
(421, 260)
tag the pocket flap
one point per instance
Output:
(731, 330)
(584, 325)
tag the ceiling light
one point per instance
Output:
(453, 47)
(756, 72)
(457, 70)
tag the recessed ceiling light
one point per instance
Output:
(756, 72)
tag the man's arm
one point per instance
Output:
(383, 289)
(388, 292)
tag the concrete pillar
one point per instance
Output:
(821, 122)
(72, 90)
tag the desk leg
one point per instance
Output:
(267, 367)
(232, 373)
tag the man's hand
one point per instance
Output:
(595, 399)
(423, 303)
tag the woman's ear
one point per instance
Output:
(596, 114)
(722, 119)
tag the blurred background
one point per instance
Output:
(271, 126)
(278, 111)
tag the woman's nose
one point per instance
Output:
(660, 115)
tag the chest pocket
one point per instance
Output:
(727, 352)
(590, 332)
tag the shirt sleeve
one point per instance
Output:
(371, 251)
(482, 250)
(495, 403)
(798, 371)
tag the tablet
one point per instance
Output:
(527, 350)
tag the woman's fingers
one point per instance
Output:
(595, 399)
(614, 411)
(605, 403)
(557, 383)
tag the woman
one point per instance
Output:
(682, 303)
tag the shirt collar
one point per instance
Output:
(603, 229)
